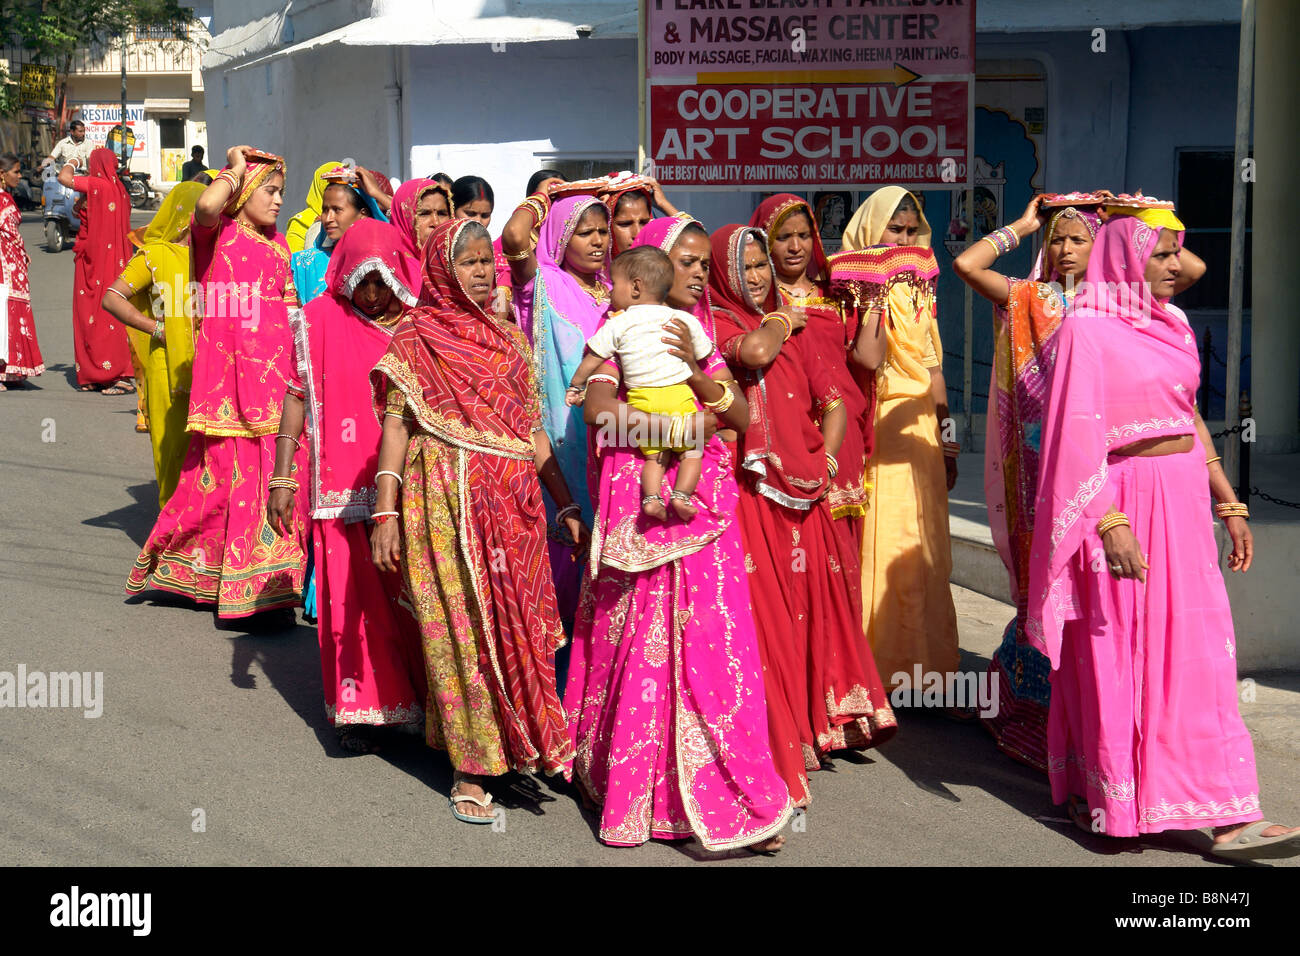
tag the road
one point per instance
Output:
(198, 717)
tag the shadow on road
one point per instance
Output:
(136, 520)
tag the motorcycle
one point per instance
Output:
(137, 187)
(61, 221)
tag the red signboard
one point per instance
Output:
(779, 94)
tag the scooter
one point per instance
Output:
(61, 221)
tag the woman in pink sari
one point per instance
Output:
(1125, 596)
(371, 666)
(665, 685)
(211, 541)
(418, 206)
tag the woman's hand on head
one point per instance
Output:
(1033, 218)
(237, 160)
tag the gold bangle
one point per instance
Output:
(1211, 461)
(723, 403)
(997, 252)
(832, 465)
(833, 404)
(516, 257)
(779, 317)
(1110, 521)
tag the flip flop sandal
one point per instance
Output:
(119, 388)
(1250, 844)
(485, 802)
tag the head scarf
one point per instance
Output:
(869, 222)
(771, 215)
(296, 231)
(1091, 220)
(611, 201)
(402, 212)
(782, 441)
(663, 234)
(255, 175)
(465, 375)
(336, 346)
(1093, 407)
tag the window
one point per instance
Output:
(585, 168)
(1204, 200)
(171, 133)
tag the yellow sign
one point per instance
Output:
(36, 85)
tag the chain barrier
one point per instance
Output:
(1277, 501)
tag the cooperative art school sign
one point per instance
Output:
(782, 94)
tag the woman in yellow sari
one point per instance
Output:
(908, 611)
(152, 298)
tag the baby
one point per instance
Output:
(656, 380)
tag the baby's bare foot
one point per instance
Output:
(682, 506)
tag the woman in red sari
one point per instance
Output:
(823, 691)
(801, 280)
(463, 427)
(212, 541)
(20, 355)
(103, 352)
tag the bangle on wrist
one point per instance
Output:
(1211, 461)
(1231, 509)
(387, 472)
(379, 517)
(1113, 520)
(572, 508)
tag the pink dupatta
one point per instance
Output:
(336, 347)
(1093, 407)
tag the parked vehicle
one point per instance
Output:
(137, 187)
(61, 221)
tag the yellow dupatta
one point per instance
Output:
(296, 232)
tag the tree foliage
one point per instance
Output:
(53, 30)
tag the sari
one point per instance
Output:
(1144, 720)
(295, 233)
(212, 541)
(20, 353)
(829, 337)
(309, 265)
(402, 213)
(1023, 351)
(558, 316)
(474, 528)
(372, 669)
(823, 692)
(158, 276)
(102, 352)
(665, 686)
(908, 610)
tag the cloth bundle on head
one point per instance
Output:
(871, 218)
(1092, 408)
(331, 334)
(296, 232)
(256, 172)
(781, 442)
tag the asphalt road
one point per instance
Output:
(198, 717)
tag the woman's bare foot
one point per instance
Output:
(653, 506)
(770, 845)
(470, 785)
(682, 506)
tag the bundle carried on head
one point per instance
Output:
(865, 276)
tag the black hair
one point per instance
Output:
(444, 179)
(470, 189)
(7, 161)
(196, 150)
(633, 194)
(906, 204)
(537, 178)
(694, 226)
(74, 124)
(203, 178)
(652, 266)
(354, 197)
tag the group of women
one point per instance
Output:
(383, 395)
